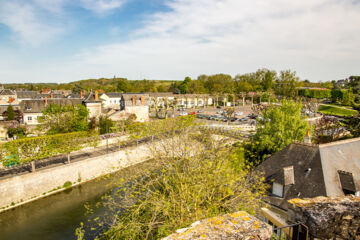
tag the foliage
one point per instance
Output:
(335, 110)
(64, 119)
(67, 184)
(352, 124)
(35, 148)
(106, 125)
(286, 83)
(328, 129)
(280, 125)
(197, 177)
(10, 113)
(14, 129)
(348, 98)
(315, 93)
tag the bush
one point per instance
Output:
(197, 177)
(35, 148)
(67, 184)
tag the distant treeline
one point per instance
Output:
(263, 80)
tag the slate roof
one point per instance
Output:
(27, 94)
(113, 95)
(7, 92)
(316, 169)
(90, 98)
(37, 105)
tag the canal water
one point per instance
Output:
(56, 217)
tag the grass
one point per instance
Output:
(334, 110)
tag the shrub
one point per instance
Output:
(67, 184)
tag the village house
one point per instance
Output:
(32, 109)
(111, 100)
(305, 170)
(93, 104)
(132, 103)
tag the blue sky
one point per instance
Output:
(68, 40)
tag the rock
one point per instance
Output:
(234, 226)
(329, 218)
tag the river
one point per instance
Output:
(57, 216)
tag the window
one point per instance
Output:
(347, 182)
(277, 189)
(29, 118)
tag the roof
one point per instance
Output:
(90, 98)
(319, 170)
(113, 95)
(27, 94)
(308, 174)
(7, 92)
(37, 105)
(128, 96)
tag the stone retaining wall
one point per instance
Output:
(20, 189)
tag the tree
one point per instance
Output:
(352, 124)
(194, 176)
(10, 113)
(348, 98)
(64, 119)
(280, 125)
(105, 125)
(123, 85)
(184, 85)
(287, 83)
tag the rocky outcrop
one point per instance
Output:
(234, 226)
(329, 218)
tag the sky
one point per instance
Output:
(68, 40)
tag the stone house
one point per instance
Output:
(111, 100)
(32, 109)
(132, 103)
(93, 104)
(305, 170)
(8, 97)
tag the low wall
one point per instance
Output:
(28, 187)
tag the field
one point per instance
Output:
(336, 110)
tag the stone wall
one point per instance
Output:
(329, 218)
(20, 189)
(234, 226)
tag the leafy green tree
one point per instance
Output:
(64, 119)
(123, 85)
(105, 124)
(219, 84)
(352, 124)
(287, 83)
(10, 113)
(185, 85)
(280, 125)
(348, 98)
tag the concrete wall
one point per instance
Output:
(23, 188)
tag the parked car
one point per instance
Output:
(218, 107)
(220, 112)
(183, 114)
(181, 109)
(200, 111)
(239, 113)
(252, 116)
(192, 113)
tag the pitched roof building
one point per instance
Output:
(307, 170)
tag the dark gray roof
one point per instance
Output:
(7, 92)
(90, 98)
(27, 94)
(113, 95)
(36, 106)
(308, 173)
(48, 95)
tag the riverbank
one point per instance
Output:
(25, 188)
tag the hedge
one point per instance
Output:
(35, 148)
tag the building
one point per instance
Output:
(93, 104)
(307, 170)
(111, 100)
(180, 100)
(32, 109)
(8, 97)
(26, 95)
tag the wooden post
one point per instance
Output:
(68, 157)
(32, 166)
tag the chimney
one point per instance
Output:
(142, 101)
(81, 93)
(46, 101)
(96, 95)
(134, 101)
(307, 138)
(51, 95)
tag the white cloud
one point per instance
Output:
(102, 6)
(318, 38)
(25, 20)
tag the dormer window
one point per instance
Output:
(347, 183)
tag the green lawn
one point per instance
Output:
(334, 110)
